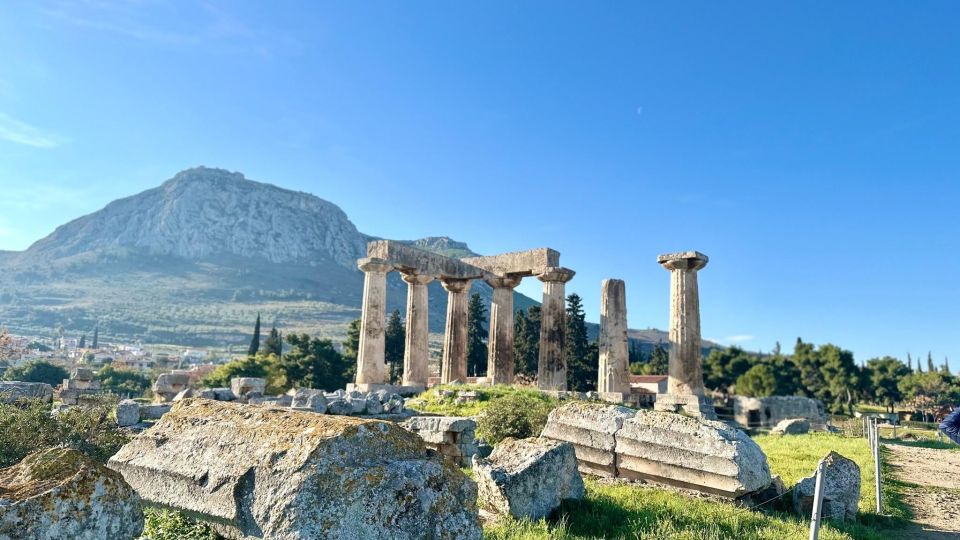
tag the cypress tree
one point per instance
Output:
(476, 337)
(274, 343)
(394, 345)
(930, 366)
(255, 342)
(581, 362)
(96, 336)
(83, 342)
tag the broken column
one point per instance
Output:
(370, 358)
(613, 374)
(552, 366)
(416, 353)
(500, 342)
(453, 366)
(685, 383)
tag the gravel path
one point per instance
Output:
(936, 499)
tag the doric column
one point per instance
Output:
(552, 366)
(370, 358)
(500, 342)
(685, 382)
(613, 373)
(453, 366)
(416, 353)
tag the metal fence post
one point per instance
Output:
(876, 471)
(817, 503)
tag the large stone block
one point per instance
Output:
(128, 413)
(841, 489)
(590, 427)
(13, 391)
(60, 493)
(241, 386)
(528, 477)
(792, 426)
(286, 475)
(690, 452)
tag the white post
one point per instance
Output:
(876, 469)
(817, 503)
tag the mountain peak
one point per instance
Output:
(204, 174)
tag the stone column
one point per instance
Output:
(416, 353)
(552, 365)
(371, 368)
(500, 342)
(685, 383)
(613, 373)
(453, 366)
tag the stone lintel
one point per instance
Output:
(418, 261)
(683, 260)
(373, 264)
(520, 263)
(556, 274)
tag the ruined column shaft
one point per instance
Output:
(453, 366)
(686, 370)
(370, 356)
(613, 372)
(500, 341)
(416, 354)
(552, 365)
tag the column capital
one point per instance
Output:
(555, 274)
(371, 264)
(456, 285)
(683, 260)
(416, 279)
(503, 282)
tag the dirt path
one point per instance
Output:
(936, 499)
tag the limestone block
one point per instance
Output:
(60, 493)
(841, 489)
(285, 475)
(184, 394)
(704, 455)
(13, 391)
(792, 426)
(339, 406)
(590, 428)
(528, 477)
(310, 399)
(171, 383)
(374, 406)
(83, 374)
(128, 413)
(153, 412)
(207, 393)
(224, 394)
(241, 386)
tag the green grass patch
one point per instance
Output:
(436, 400)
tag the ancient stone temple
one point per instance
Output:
(502, 272)
(685, 383)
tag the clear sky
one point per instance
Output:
(810, 148)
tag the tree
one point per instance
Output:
(883, 377)
(314, 363)
(250, 366)
(83, 342)
(39, 371)
(758, 381)
(274, 343)
(582, 359)
(255, 342)
(476, 337)
(96, 336)
(351, 345)
(927, 391)
(123, 381)
(787, 375)
(930, 366)
(526, 341)
(841, 375)
(946, 366)
(659, 363)
(394, 345)
(808, 363)
(722, 367)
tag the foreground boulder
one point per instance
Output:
(841, 489)
(528, 477)
(280, 474)
(663, 447)
(792, 426)
(60, 493)
(13, 391)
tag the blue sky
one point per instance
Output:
(810, 149)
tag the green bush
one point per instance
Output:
(513, 415)
(39, 371)
(162, 524)
(28, 426)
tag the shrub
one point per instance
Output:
(29, 426)
(163, 524)
(38, 371)
(513, 415)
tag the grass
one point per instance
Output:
(433, 401)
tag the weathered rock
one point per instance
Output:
(290, 475)
(242, 386)
(224, 394)
(528, 477)
(309, 399)
(590, 428)
(841, 489)
(207, 393)
(690, 452)
(339, 406)
(184, 394)
(60, 493)
(153, 412)
(170, 384)
(452, 436)
(769, 411)
(13, 391)
(128, 413)
(374, 406)
(792, 426)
